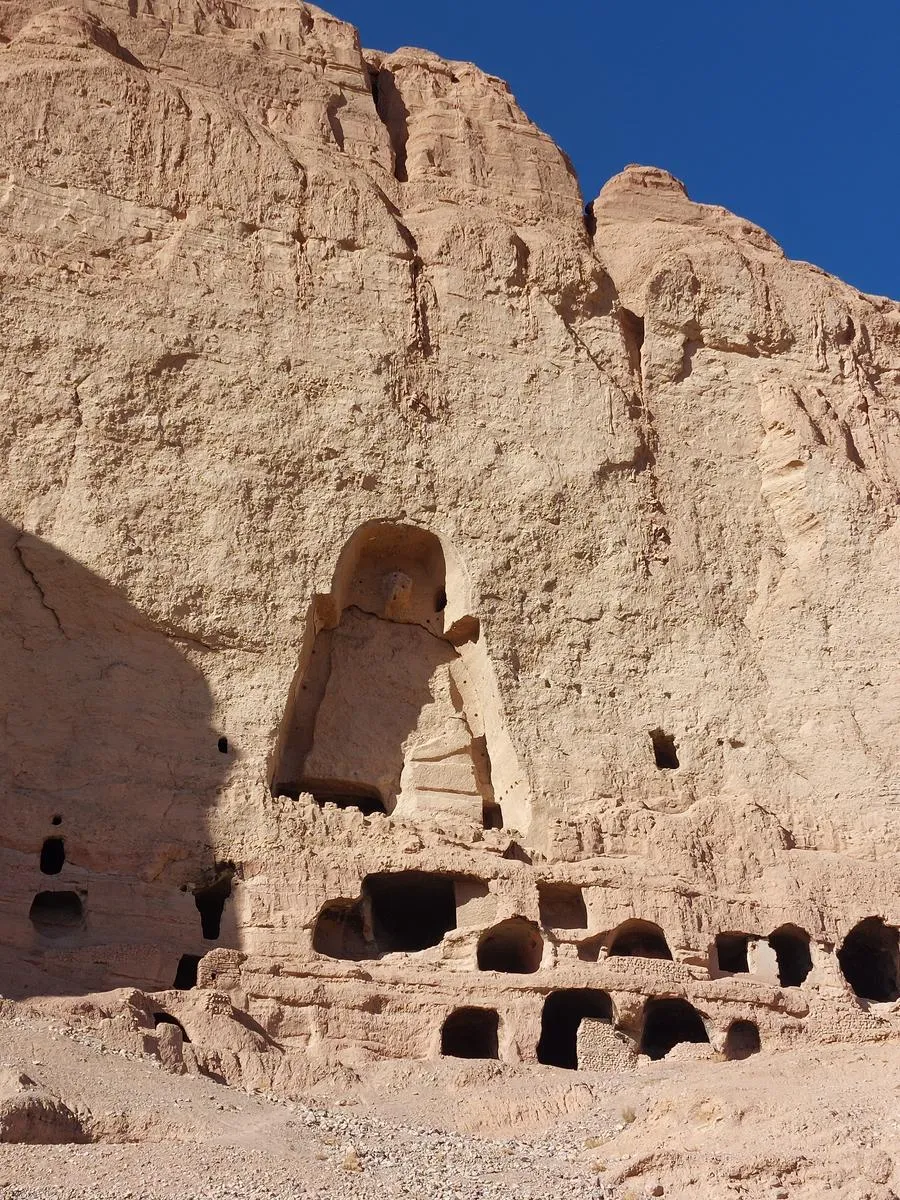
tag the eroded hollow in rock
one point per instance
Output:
(742, 1040)
(53, 856)
(186, 972)
(339, 931)
(411, 910)
(164, 1018)
(731, 952)
(640, 939)
(665, 751)
(385, 710)
(870, 960)
(210, 900)
(791, 946)
(471, 1033)
(562, 1014)
(668, 1022)
(54, 914)
(514, 946)
(562, 906)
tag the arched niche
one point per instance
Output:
(639, 939)
(394, 704)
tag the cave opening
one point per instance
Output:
(53, 856)
(665, 751)
(411, 910)
(471, 1033)
(562, 906)
(210, 900)
(792, 952)
(186, 972)
(668, 1022)
(640, 939)
(339, 931)
(742, 1040)
(870, 960)
(562, 1015)
(55, 914)
(513, 946)
(732, 953)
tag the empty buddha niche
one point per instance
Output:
(383, 715)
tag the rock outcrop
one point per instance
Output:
(434, 613)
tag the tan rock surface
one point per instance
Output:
(423, 597)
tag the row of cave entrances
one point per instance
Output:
(668, 1022)
(409, 911)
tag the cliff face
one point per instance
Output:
(348, 459)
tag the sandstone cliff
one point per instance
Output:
(386, 532)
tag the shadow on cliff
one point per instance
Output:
(109, 765)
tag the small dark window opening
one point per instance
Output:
(491, 816)
(471, 1033)
(210, 900)
(223, 745)
(345, 795)
(664, 750)
(339, 931)
(57, 820)
(440, 603)
(186, 974)
(669, 1022)
(640, 939)
(411, 910)
(731, 952)
(53, 856)
(54, 914)
(742, 1040)
(562, 1015)
(791, 946)
(562, 906)
(163, 1018)
(870, 960)
(514, 946)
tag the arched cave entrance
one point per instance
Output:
(55, 914)
(640, 939)
(384, 712)
(742, 1040)
(53, 856)
(186, 972)
(669, 1021)
(870, 960)
(792, 952)
(471, 1033)
(514, 946)
(562, 1014)
(339, 931)
(164, 1018)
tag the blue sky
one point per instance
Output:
(786, 111)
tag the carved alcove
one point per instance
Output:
(393, 707)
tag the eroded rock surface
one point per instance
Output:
(424, 596)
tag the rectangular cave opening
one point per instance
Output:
(731, 952)
(411, 910)
(562, 906)
(186, 973)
